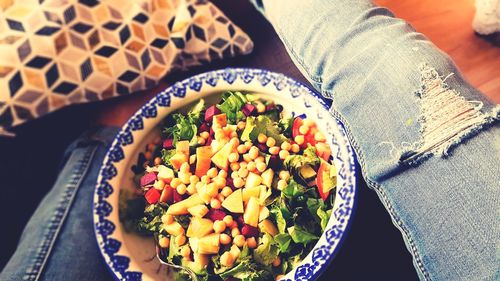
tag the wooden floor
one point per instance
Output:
(447, 23)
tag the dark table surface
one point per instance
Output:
(373, 249)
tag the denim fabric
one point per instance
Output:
(58, 242)
(379, 73)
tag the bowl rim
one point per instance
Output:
(226, 74)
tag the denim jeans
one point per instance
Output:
(427, 142)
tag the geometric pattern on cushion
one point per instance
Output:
(55, 53)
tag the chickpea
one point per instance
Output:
(226, 259)
(238, 182)
(157, 161)
(185, 177)
(309, 123)
(276, 262)
(220, 182)
(233, 157)
(295, 148)
(226, 191)
(234, 174)
(224, 239)
(191, 189)
(248, 145)
(251, 166)
(261, 166)
(204, 135)
(270, 142)
(286, 146)
(260, 107)
(223, 174)
(180, 240)
(192, 159)
(164, 242)
(252, 243)
(221, 197)
(219, 226)
(260, 159)
(241, 125)
(284, 175)
(194, 179)
(303, 129)
(239, 240)
(242, 172)
(201, 141)
(247, 158)
(212, 173)
(299, 140)
(234, 166)
(241, 149)
(167, 219)
(235, 232)
(205, 179)
(274, 150)
(215, 203)
(175, 182)
(185, 251)
(284, 154)
(261, 138)
(243, 164)
(184, 168)
(181, 189)
(282, 184)
(228, 220)
(254, 152)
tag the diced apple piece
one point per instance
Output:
(220, 159)
(198, 211)
(220, 120)
(251, 215)
(264, 213)
(201, 259)
(167, 194)
(177, 160)
(209, 244)
(181, 207)
(252, 191)
(203, 157)
(205, 197)
(235, 251)
(165, 174)
(253, 180)
(217, 145)
(267, 177)
(174, 228)
(199, 227)
(234, 202)
(268, 226)
(182, 147)
(193, 242)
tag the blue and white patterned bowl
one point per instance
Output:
(129, 256)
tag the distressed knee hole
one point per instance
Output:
(446, 119)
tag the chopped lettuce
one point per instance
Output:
(267, 127)
(317, 209)
(249, 126)
(300, 235)
(166, 154)
(247, 270)
(286, 125)
(277, 216)
(186, 127)
(231, 106)
(309, 157)
(267, 250)
(293, 189)
(283, 240)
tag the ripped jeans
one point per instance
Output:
(426, 140)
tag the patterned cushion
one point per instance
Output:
(54, 53)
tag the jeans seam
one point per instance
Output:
(383, 196)
(57, 221)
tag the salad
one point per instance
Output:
(234, 191)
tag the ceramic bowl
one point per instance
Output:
(131, 257)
